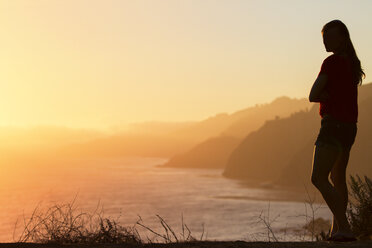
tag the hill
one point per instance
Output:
(280, 152)
(143, 139)
(214, 151)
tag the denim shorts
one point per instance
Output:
(338, 133)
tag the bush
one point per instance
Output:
(62, 224)
(360, 207)
(318, 225)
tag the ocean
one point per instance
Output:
(129, 188)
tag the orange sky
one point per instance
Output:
(93, 63)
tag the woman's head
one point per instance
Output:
(335, 36)
(336, 39)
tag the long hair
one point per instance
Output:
(357, 70)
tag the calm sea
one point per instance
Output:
(127, 188)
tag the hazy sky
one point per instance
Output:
(97, 63)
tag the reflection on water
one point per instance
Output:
(135, 186)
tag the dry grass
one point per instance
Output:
(64, 224)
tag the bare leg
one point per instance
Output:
(338, 178)
(324, 158)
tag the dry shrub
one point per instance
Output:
(63, 224)
(360, 207)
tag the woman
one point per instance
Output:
(336, 90)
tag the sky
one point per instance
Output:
(103, 63)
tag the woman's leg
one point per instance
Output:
(338, 178)
(324, 157)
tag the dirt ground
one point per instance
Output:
(205, 244)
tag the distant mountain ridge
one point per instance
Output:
(242, 122)
(180, 140)
(281, 151)
(214, 151)
(153, 138)
(264, 153)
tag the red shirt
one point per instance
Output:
(343, 92)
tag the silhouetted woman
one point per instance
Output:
(336, 89)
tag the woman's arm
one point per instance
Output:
(318, 92)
